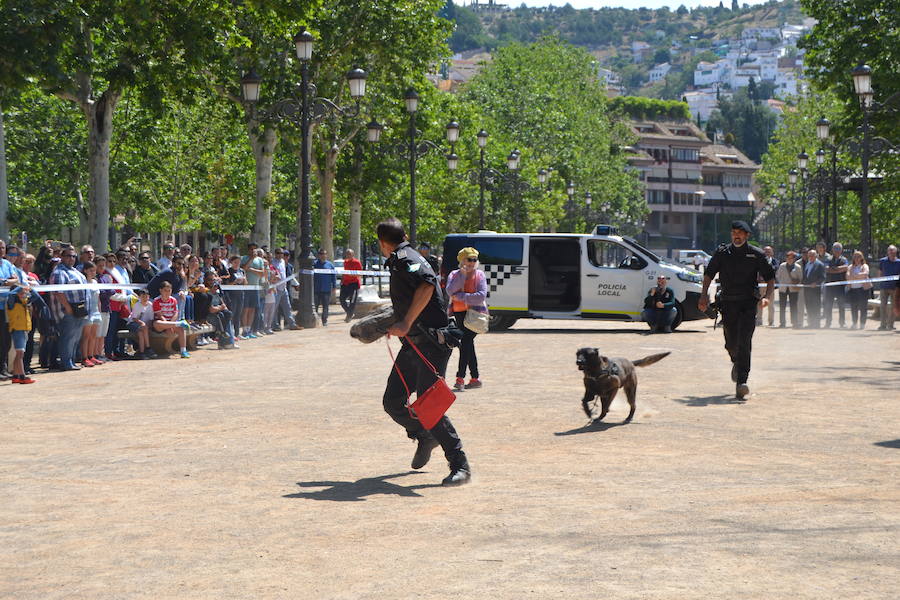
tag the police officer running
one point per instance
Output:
(420, 305)
(738, 265)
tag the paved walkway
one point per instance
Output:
(272, 472)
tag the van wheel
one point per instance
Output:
(500, 322)
(679, 316)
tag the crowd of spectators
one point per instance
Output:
(814, 284)
(79, 327)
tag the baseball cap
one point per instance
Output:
(742, 225)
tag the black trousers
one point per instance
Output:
(739, 323)
(349, 294)
(467, 358)
(419, 378)
(835, 292)
(813, 299)
(859, 305)
(788, 298)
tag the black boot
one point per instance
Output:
(427, 443)
(460, 473)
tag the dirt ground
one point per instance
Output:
(272, 472)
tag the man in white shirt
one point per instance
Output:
(282, 299)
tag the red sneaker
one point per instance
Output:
(88, 363)
(112, 357)
(473, 384)
(24, 379)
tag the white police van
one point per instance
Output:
(601, 275)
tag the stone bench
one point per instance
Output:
(166, 342)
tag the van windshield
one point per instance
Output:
(632, 242)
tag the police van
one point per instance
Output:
(601, 275)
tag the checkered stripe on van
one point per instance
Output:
(498, 274)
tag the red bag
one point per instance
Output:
(430, 405)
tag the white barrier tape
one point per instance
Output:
(337, 271)
(836, 283)
(65, 287)
(257, 287)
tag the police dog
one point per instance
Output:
(604, 376)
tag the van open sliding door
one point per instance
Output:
(554, 274)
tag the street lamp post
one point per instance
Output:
(870, 145)
(483, 175)
(415, 148)
(782, 195)
(303, 109)
(862, 83)
(792, 178)
(482, 137)
(588, 199)
(802, 161)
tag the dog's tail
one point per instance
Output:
(649, 360)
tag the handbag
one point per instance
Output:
(79, 310)
(431, 404)
(476, 321)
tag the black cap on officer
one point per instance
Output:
(742, 225)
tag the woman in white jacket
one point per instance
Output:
(788, 276)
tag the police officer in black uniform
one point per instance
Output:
(421, 307)
(739, 266)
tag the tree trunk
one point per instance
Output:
(354, 241)
(84, 217)
(4, 190)
(263, 142)
(326, 199)
(99, 120)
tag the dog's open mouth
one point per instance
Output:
(580, 364)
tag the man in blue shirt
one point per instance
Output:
(888, 265)
(68, 308)
(323, 283)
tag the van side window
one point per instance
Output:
(492, 250)
(610, 255)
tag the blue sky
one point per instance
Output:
(673, 4)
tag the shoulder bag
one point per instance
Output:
(431, 404)
(476, 321)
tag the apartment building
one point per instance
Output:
(693, 187)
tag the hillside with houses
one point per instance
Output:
(699, 55)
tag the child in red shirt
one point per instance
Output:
(165, 316)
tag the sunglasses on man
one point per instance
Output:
(470, 259)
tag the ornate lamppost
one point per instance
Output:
(802, 161)
(483, 175)
(865, 146)
(792, 179)
(303, 109)
(414, 148)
